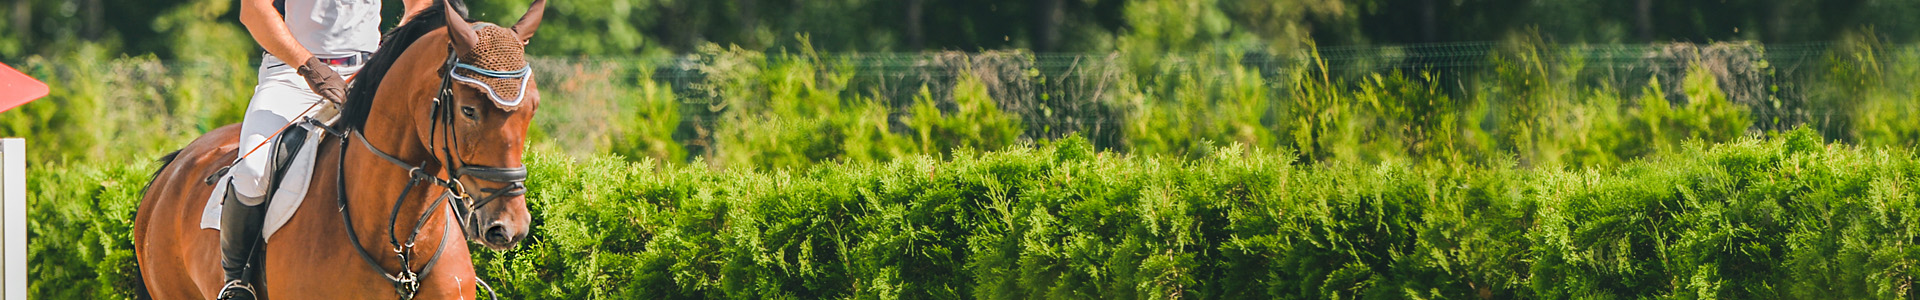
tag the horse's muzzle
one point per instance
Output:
(501, 236)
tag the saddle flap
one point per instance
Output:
(293, 163)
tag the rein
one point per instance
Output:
(406, 282)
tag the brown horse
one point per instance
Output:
(392, 177)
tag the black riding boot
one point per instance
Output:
(239, 234)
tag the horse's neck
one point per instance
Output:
(373, 185)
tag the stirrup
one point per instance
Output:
(231, 290)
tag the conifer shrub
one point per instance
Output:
(1786, 216)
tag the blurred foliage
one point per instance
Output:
(1538, 103)
(100, 108)
(1868, 94)
(655, 27)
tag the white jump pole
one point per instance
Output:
(13, 216)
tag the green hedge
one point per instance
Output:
(80, 229)
(1781, 217)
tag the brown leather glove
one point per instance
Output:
(323, 80)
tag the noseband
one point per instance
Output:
(406, 282)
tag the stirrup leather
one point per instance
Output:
(231, 290)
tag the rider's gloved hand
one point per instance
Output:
(323, 80)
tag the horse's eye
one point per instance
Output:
(468, 111)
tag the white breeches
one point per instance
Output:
(277, 101)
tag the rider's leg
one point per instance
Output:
(237, 238)
(279, 99)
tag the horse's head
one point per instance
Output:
(487, 103)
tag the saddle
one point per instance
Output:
(292, 162)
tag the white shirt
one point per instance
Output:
(335, 28)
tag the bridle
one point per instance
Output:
(406, 282)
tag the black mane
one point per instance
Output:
(353, 114)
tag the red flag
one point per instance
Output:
(17, 88)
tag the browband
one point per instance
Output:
(524, 74)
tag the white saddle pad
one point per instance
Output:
(293, 189)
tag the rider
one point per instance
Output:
(309, 44)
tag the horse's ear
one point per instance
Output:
(530, 21)
(457, 29)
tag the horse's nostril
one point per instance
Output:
(497, 234)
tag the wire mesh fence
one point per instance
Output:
(1039, 86)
